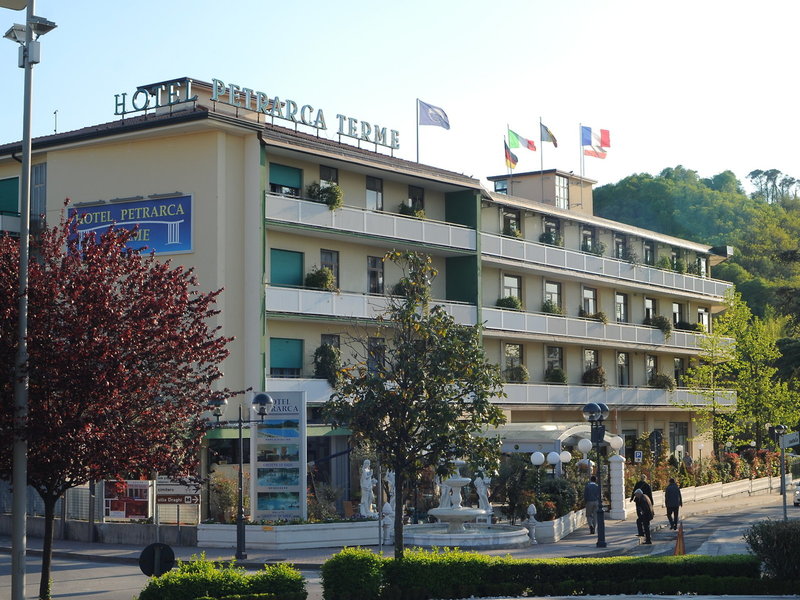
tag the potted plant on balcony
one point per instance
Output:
(511, 302)
(409, 210)
(664, 263)
(401, 288)
(321, 278)
(629, 254)
(687, 326)
(662, 381)
(331, 194)
(594, 376)
(551, 237)
(327, 363)
(517, 374)
(550, 307)
(598, 316)
(660, 322)
(596, 248)
(555, 375)
(680, 265)
(511, 231)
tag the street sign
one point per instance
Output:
(790, 439)
(637, 456)
(174, 492)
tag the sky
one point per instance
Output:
(705, 84)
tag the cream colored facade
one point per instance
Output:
(250, 232)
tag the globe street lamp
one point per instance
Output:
(27, 37)
(537, 460)
(596, 413)
(262, 404)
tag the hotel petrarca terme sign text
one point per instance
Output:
(178, 91)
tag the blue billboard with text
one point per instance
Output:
(164, 225)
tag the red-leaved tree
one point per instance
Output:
(124, 352)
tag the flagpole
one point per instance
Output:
(580, 157)
(417, 130)
(541, 157)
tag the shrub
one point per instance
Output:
(597, 248)
(410, 211)
(663, 323)
(352, 574)
(511, 302)
(598, 316)
(327, 362)
(555, 375)
(776, 544)
(562, 492)
(687, 326)
(517, 374)
(680, 265)
(321, 278)
(331, 195)
(662, 381)
(510, 231)
(664, 263)
(594, 376)
(548, 306)
(549, 237)
(630, 255)
(281, 579)
(402, 287)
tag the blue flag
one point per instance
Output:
(432, 115)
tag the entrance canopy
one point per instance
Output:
(544, 437)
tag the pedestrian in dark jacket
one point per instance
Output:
(673, 500)
(591, 495)
(644, 486)
(644, 514)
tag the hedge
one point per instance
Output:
(355, 573)
(201, 578)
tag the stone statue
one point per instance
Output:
(390, 485)
(481, 487)
(445, 495)
(366, 507)
(531, 523)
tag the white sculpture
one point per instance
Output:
(366, 507)
(481, 487)
(390, 486)
(445, 495)
(531, 524)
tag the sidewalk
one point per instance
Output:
(620, 537)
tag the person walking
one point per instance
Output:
(644, 514)
(673, 500)
(644, 486)
(591, 495)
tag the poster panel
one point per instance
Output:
(278, 460)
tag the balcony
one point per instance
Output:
(345, 305)
(537, 254)
(9, 221)
(587, 331)
(542, 394)
(390, 226)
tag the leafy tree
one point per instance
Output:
(122, 360)
(422, 399)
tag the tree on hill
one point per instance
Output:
(123, 357)
(421, 399)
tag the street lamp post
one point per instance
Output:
(263, 404)
(780, 430)
(27, 37)
(537, 460)
(700, 447)
(596, 413)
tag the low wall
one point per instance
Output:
(290, 537)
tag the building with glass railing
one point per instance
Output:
(576, 308)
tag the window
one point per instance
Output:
(9, 195)
(38, 194)
(589, 301)
(416, 197)
(702, 266)
(562, 192)
(621, 307)
(552, 232)
(650, 309)
(513, 355)
(552, 294)
(677, 313)
(619, 246)
(330, 259)
(704, 319)
(623, 368)
(588, 239)
(376, 354)
(374, 275)
(374, 193)
(286, 267)
(328, 176)
(650, 367)
(512, 286)
(330, 339)
(630, 436)
(678, 434)
(511, 222)
(554, 358)
(284, 180)
(591, 359)
(674, 256)
(679, 370)
(285, 357)
(501, 187)
(649, 252)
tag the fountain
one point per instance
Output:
(453, 529)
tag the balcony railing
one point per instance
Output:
(588, 330)
(347, 305)
(581, 262)
(369, 222)
(542, 394)
(9, 222)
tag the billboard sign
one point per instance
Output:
(176, 492)
(163, 224)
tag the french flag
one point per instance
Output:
(597, 142)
